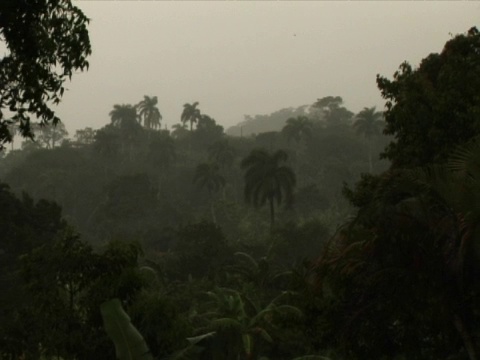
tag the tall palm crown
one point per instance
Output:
(149, 113)
(123, 116)
(124, 119)
(266, 180)
(297, 128)
(190, 114)
(369, 122)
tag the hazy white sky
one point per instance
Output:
(238, 58)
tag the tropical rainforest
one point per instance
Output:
(310, 233)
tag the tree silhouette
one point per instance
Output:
(49, 136)
(179, 131)
(333, 111)
(107, 142)
(434, 211)
(297, 128)
(369, 123)
(432, 108)
(123, 116)
(222, 153)
(161, 151)
(207, 131)
(47, 42)
(85, 136)
(190, 114)
(148, 112)
(161, 154)
(207, 176)
(268, 181)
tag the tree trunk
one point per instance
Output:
(272, 213)
(212, 210)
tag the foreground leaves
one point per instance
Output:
(129, 343)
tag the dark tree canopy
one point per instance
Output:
(435, 107)
(297, 128)
(333, 110)
(417, 224)
(46, 41)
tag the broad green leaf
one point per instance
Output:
(196, 339)
(129, 343)
(247, 343)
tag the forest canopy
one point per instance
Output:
(299, 242)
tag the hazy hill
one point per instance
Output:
(264, 123)
(329, 109)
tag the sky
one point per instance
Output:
(241, 58)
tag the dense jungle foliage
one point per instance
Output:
(340, 236)
(197, 226)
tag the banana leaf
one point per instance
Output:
(129, 343)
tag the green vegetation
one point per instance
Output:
(134, 242)
(129, 343)
(47, 41)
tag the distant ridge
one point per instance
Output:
(264, 123)
(328, 109)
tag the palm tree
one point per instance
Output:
(266, 180)
(222, 153)
(369, 123)
(190, 114)
(297, 128)
(207, 177)
(149, 113)
(123, 116)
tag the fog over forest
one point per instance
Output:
(239, 180)
(248, 58)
